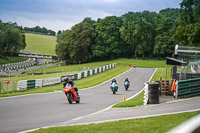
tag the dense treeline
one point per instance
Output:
(39, 30)
(134, 34)
(12, 38)
(188, 30)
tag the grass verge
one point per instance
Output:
(136, 101)
(158, 124)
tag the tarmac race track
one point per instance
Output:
(38, 110)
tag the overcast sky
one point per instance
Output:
(63, 14)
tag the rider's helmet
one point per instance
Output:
(113, 80)
(66, 79)
(126, 78)
(70, 81)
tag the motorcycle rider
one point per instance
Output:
(66, 80)
(126, 80)
(114, 81)
(69, 81)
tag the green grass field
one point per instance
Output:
(12, 60)
(40, 44)
(79, 67)
(158, 124)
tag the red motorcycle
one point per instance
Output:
(71, 94)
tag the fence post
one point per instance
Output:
(176, 89)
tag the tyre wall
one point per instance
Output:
(153, 93)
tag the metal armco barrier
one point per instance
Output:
(30, 84)
(188, 88)
(88, 73)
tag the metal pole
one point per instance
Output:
(165, 80)
(176, 49)
(180, 73)
(176, 89)
(165, 72)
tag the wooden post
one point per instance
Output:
(160, 86)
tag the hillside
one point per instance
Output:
(40, 44)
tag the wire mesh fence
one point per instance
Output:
(7, 86)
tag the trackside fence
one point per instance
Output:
(188, 88)
(30, 84)
(7, 86)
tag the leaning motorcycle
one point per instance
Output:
(126, 85)
(71, 94)
(114, 87)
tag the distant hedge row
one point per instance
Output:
(39, 30)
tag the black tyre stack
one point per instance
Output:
(153, 93)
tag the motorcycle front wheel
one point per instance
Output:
(70, 98)
(126, 87)
(78, 99)
(114, 91)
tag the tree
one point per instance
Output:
(188, 31)
(2, 38)
(128, 32)
(138, 31)
(59, 32)
(147, 22)
(167, 22)
(107, 42)
(63, 44)
(11, 38)
(75, 45)
(39, 30)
